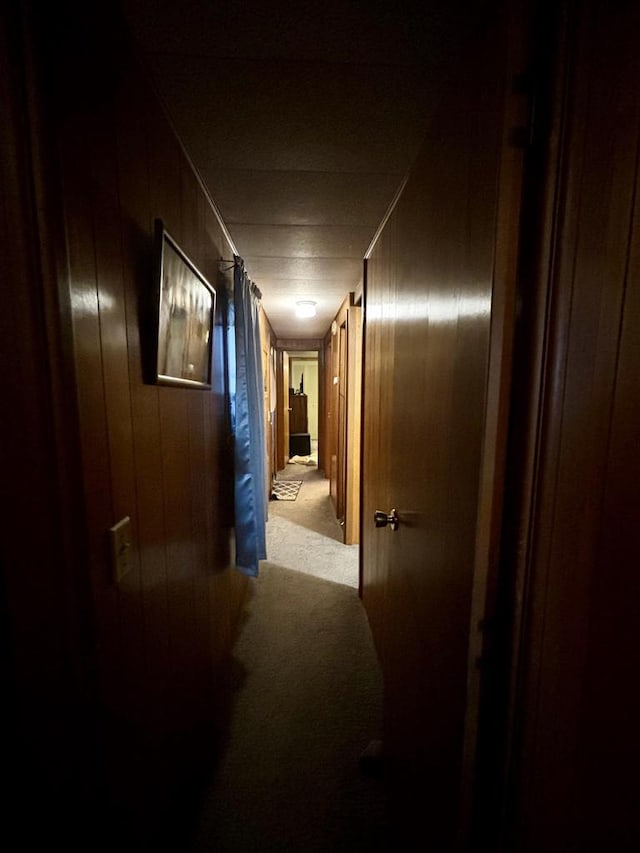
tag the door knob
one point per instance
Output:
(381, 519)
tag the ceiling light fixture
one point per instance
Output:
(305, 308)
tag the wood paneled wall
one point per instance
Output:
(160, 637)
(269, 373)
(354, 427)
(577, 739)
(326, 432)
(342, 416)
(429, 286)
(46, 673)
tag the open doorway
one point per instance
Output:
(303, 405)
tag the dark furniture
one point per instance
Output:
(300, 444)
(298, 413)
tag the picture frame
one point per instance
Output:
(185, 317)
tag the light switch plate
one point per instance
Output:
(120, 538)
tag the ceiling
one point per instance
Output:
(302, 119)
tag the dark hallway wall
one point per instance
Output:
(577, 743)
(570, 561)
(45, 671)
(148, 452)
(156, 642)
(433, 278)
(136, 668)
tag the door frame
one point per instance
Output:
(285, 347)
(504, 525)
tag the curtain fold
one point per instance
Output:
(247, 421)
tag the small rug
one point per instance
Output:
(285, 490)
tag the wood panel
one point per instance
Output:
(377, 412)
(283, 408)
(286, 383)
(338, 492)
(577, 744)
(46, 659)
(428, 313)
(280, 410)
(154, 454)
(353, 427)
(486, 716)
(135, 197)
(334, 419)
(268, 342)
(337, 406)
(326, 447)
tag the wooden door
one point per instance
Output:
(353, 427)
(428, 313)
(334, 421)
(273, 414)
(576, 739)
(341, 461)
(325, 443)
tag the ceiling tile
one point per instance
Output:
(301, 241)
(305, 116)
(279, 295)
(337, 270)
(404, 32)
(301, 198)
(302, 118)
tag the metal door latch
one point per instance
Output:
(381, 519)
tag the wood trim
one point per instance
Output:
(565, 504)
(328, 413)
(322, 418)
(358, 294)
(47, 649)
(280, 405)
(335, 464)
(267, 339)
(354, 426)
(541, 217)
(498, 397)
(150, 81)
(385, 218)
(341, 316)
(363, 368)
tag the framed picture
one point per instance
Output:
(185, 314)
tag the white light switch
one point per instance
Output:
(120, 536)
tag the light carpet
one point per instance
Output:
(305, 536)
(308, 705)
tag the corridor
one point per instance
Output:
(438, 202)
(304, 535)
(307, 697)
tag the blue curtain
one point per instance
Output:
(247, 421)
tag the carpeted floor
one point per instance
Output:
(307, 703)
(304, 535)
